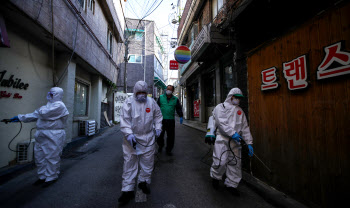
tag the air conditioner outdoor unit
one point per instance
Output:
(87, 127)
(25, 151)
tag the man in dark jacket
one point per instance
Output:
(168, 103)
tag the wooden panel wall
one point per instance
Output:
(304, 136)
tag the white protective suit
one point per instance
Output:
(50, 134)
(229, 119)
(140, 119)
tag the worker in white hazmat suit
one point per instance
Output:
(229, 120)
(49, 137)
(140, 122)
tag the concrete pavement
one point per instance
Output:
(91, 177)
(269, 193)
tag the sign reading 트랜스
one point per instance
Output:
(269, 79)
(336, 62)
(295, 72)
(174, 65)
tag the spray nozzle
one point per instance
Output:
(6, 121)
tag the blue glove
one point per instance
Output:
(181, 120)
(251, 150)
(237, 137)
(158, 132)
(131, 139)
(15, 119)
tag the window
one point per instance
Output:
(229, 80)
(81, 95)
(194, 31)
(110, 42)
(133, 58)
(200, 22)
(136, 36)
(92, 6)
(158, 68)
(209, 90)
(216, 6)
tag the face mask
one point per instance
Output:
(141, 98)
(169, 92)
(235, 101)
(49, 96)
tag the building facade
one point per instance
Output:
(146, 57)
(76, 45)
(291, 59)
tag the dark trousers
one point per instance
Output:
(169, 128)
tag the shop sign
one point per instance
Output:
(12, 82)
(182, 54)
(335, 63)
(15, 83)
(5, 94)
(269, 79)
(295, 73)
(196, 108)
(4, 41)
(174, 65)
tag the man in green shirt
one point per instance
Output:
(168, 103)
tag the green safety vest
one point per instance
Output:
(168, 108)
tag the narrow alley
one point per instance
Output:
(91, 177)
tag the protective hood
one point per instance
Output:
(233, 91)
(140, 86)
(57, 94)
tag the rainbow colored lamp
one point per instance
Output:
(182, 54)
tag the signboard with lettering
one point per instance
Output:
(174, 65)
(196, 108)
(269, 79)
(295, 72)
(11, 82)
(119, 99)
(336, 62)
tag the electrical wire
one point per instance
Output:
(53, 45)
(9, 144)
(153, 10)
(41, 6)
(30, 139)
(220, 158)
(147, 13)
(70, 59)
(133, 11)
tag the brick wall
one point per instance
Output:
(229, 7)
(183, 17)
(206, 13)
